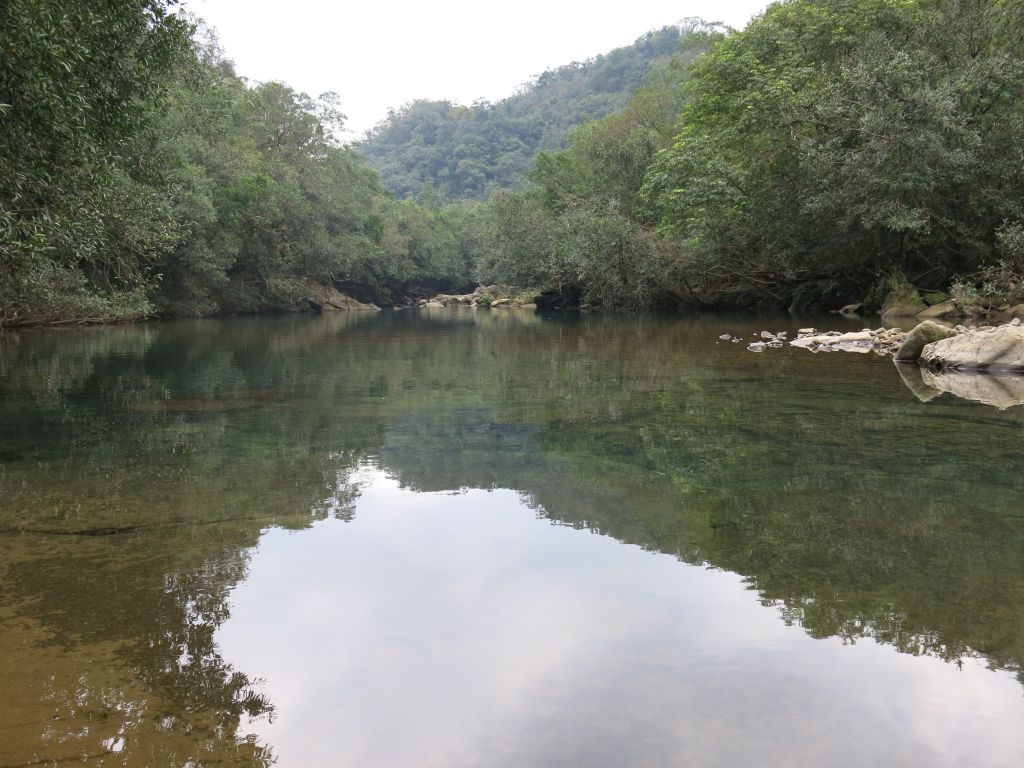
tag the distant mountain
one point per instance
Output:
(460, 152)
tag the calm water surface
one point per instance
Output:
(459, 538)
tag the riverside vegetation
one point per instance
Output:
(832, 152)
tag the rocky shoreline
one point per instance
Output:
(984, 364)
(484, 297)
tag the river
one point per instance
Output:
(463, 537)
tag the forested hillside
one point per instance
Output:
(463, 152)
(831, 152)
(142, 176)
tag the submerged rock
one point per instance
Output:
(924, 334)
(994, 348)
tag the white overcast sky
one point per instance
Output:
(377, 55)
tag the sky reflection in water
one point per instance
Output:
(247, 527)
(461, 630)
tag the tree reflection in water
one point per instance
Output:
(139, 467)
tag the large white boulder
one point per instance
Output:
(999, 348)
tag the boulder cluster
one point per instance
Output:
(993, 348)
(882, 341)
(933, 358)
(948, 309)
(492, 296)
(990, 348)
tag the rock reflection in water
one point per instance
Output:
(1000, 390)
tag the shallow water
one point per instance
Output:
(471, 538)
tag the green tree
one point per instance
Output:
(830, 142)
(82, 214)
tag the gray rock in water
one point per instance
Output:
(945, 309)
(725, 337)
(767, 335)
(327, 299)
(757, 346)
(927, 332)
(903, 310)
(994, 349)
(860, 341)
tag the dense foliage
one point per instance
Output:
(831, 152)
(473, 151)
(147, 177)
(81, 217)
(832, 142)
(828, 150)
(579, 231)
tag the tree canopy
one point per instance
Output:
(149, 178)
(827, 151)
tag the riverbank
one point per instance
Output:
(980, 363)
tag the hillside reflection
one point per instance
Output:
(140, 466)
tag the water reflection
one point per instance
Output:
(1001, 391)
(458, 631)
(148, 473)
